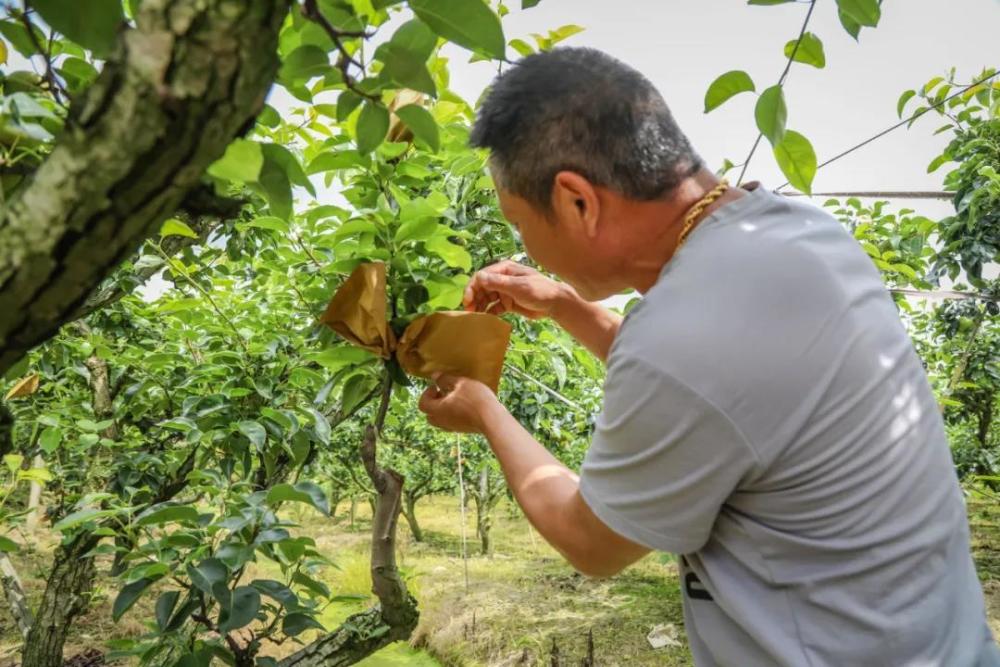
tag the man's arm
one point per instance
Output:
(509, 287)
(547, 491)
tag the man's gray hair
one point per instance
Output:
(580, 110)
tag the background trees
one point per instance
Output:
(178, 436)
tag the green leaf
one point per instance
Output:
(937, 162)
(810, 51)
(528, 4)
(296, 623)
(373, 124)
(175, 227)
(303, 492)
(254, 432)
(405, 56)
(852, 27)
(304, 63)
(290, 164)
(269, 117)
(416, 230)
(320, 425)
(355, 389)
(422, 123)
(93, 24)
(277, 591)
(17, 35)
(269, 222)
(80, 517)
(797, 160)
(347, 102)
(771, 113)
(278, 189)
(208, 574)
(7, 545)
(452, 254)
(522, 47)
(245, 605)
(241, 163)
(335, 358)
(128, 595)
(725, 86)
(862, 12)
(768, 2)
(468, 23)
(164, 607)
(903, 99)
(176, 513)
(335, 160)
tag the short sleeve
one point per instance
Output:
(663, 459)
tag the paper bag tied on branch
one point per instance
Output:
(456, 343)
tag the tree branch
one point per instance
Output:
(198, 84)
(311, 11)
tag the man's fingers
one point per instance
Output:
(444, 382)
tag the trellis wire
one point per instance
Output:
(917, 114)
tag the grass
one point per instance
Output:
(519, 600)
(517, 604)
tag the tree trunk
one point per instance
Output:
(409, 511)
(985, 420)
(483, 508)
(70, 581)
(34, 498)
(396, 615)
(6, 430)
(180, 86)
(14, 593)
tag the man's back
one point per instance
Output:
(766, 416)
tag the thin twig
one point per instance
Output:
(310, 10)
(781, 81)
(54, 86)
(207, 295)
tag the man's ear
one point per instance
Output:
(574, 198)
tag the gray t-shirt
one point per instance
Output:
(767, 417)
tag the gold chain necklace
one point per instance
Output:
(698, 208)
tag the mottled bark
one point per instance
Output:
(100, 389)
(66, 596)
(190, 77)
(6, 430)
(486, 494)
(410, 512)
(14, 593)
(985, 418)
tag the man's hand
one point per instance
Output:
(457, 404)
(509, 287)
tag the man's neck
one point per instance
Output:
(655, 227)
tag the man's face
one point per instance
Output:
(558, 243)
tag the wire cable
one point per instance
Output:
(917, 114)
